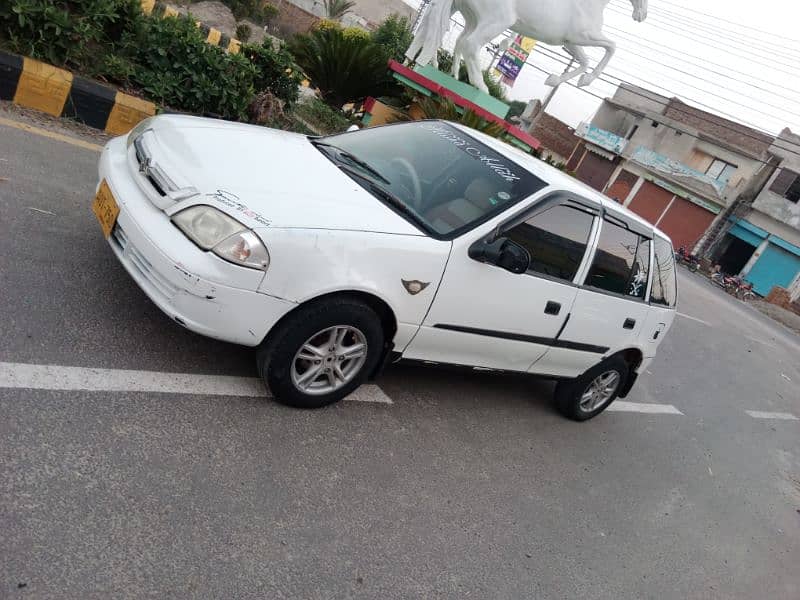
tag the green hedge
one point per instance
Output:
(166, 59)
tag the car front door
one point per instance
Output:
(487, 316)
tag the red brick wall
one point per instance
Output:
(622, 186)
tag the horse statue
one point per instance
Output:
(568, 23)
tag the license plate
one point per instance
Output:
(105, 208)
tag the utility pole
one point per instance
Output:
(423, 6)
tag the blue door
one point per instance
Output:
(776, 266)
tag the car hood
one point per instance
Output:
(278, 175)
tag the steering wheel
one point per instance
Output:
(412, 175)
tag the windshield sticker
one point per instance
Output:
(232, 201)
(491, 161)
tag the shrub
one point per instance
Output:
(65, 32)
(243, 32)
(178, 68)
(344, 68)
(259, 11)
(394, 36)
(276, 70)
(321, 117)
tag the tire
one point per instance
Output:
(693, 267)
(282, 367)
(569, 395)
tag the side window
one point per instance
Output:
(664, 289)
(556, 240)
(621, 263)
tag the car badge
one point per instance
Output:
(415, 287)
(144, 167)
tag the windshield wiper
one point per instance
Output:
(355, 160)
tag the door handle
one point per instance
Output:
(552, 308)
(629, 323)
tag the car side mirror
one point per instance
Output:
(503, 252)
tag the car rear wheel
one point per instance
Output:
(321, 353)
(590, 394)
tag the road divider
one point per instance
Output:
(643, 407)
(781, 416)
(85, 379)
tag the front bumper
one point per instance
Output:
(195, 288)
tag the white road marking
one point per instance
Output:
(757, 414)
(643, 407)
(685, 316)
(55, 377)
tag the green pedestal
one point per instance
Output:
(465, 90)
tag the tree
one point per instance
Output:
(336, 9)
(394, 35)
(345, 68)
(517, 107)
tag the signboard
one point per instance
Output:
(511, 62)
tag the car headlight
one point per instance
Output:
(137, 131)
(226, 237)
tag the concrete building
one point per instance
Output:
(675, 165)
(763, 244)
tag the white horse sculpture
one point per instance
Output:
(568, 23)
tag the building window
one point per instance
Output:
(787, 184)
(720, 170)
(793, 193)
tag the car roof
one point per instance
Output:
(558, 179)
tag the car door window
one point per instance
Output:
(664, 290)
(556, 240)
(621, 262)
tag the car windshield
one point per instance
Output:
(435, 175)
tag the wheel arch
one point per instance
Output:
(376, 303)
(633, 357)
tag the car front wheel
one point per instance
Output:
(590, 394)
(321, 353)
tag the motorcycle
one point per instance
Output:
(734, 285)
(685, 257)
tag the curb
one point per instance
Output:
(59, 93)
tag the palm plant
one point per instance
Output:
(336, 9)
(445, 109)
(344, 68)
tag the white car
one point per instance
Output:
(425, 240)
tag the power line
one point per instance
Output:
(705, 91)
(700, 26)
(664, 49)
(718, 18)
(729, 50)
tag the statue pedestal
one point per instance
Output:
(463, 90)
(431, 82)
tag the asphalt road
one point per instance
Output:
(466, 485)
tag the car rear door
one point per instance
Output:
(610, 309)
(486, 316)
